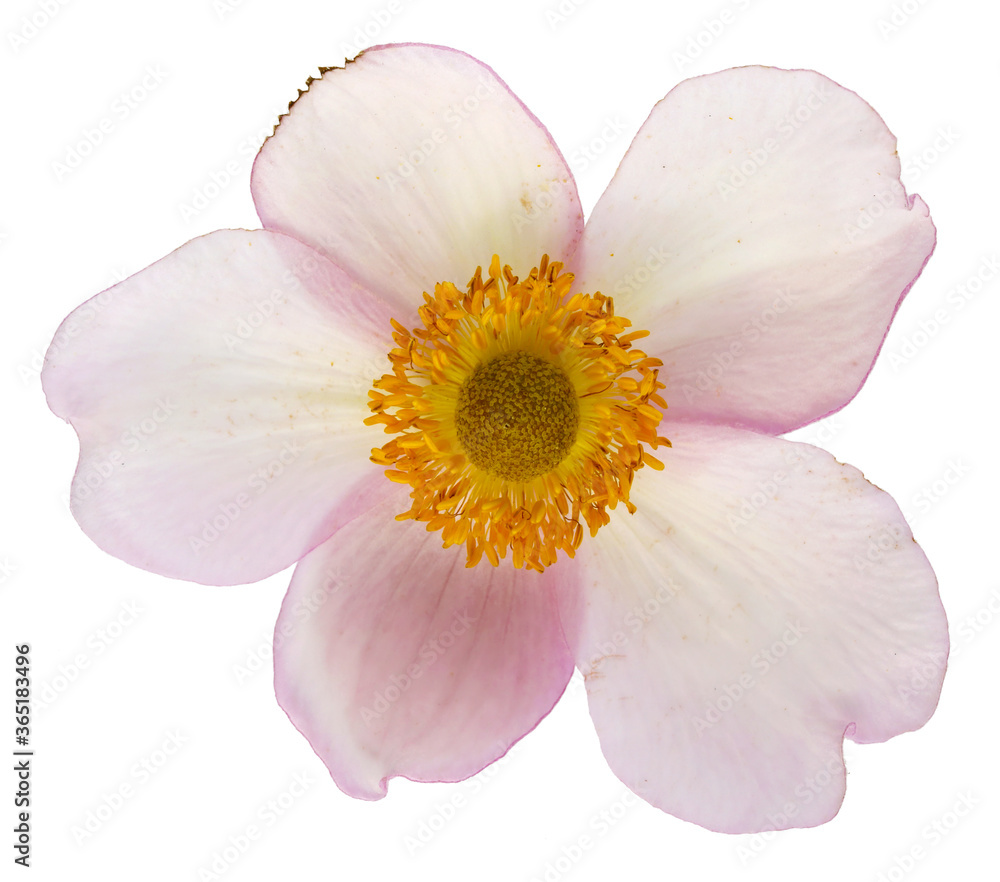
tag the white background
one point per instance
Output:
(169, 672)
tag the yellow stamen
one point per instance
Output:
(514, 417)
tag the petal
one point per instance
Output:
(219, 396)
(758, 228)
(764, 601)
(393, 658)
(412, 165)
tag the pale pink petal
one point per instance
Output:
(764, 601)
(393, 658)
(758, 228)
(219, 396)
(412, 165)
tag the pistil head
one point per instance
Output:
(517, 416)
(520, 411)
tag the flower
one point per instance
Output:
(736, 609)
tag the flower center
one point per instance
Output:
(521, 411)
(517, 416)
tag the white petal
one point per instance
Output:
(412, 165)
(393, 658)
(763, 601)
(219, 396)
(758, 228)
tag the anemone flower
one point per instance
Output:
(464, 472)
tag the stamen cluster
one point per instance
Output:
(472, 498)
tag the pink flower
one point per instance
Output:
(736, 609)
